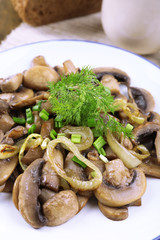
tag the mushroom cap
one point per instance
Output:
(117, 196)
(61, 207)
(7, 166)
(113, 213)
(29, 205)
(12, 83)
(120, 75)
(143, 99)
(37, 77)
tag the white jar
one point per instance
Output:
(133, 24)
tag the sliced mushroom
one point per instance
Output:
(6, 122)
(14, 134)
(27, 101)
(37, 77)
(45, 194)
(120, 186)
(82, 200)
(46, 128)
(154, 117)
(39, 61)
(49, 177)
(29, 205)
(15, 192)
(22, 95)
(143, 99)
(12, 83)
(145, 134)
(112, 83)
(120, 75)
(32, 154)
(150, 169)
(7, 166)
(69, 67)
(61, 207)
(2, 187)
(113, 213)
(157, 146)
(4, 107)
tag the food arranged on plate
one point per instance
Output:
(69, 134)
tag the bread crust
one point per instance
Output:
(40, 12)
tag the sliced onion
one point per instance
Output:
(85, 132)
(32, 141)
(144, 152)
(75, 183)
(7, 151)
(128, 159)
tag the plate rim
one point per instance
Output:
(83, 41)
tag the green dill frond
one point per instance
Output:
(80, 96)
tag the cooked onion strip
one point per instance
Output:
(7, 151)
(144, 153)
(77, 184)
(128, 159)
(32, 141)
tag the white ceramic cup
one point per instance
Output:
(133, 24)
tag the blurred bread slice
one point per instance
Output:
(40, 12)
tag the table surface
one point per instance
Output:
(84, 28)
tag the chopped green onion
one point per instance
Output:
(93, 174)
(61, 135)
(99, 143)
(29, 116)
(76, 138)
(102, 151)
(82, 164)
(44, 115)
(103, 158)
(36, 107)
(19, 120)
(53, 134)
(91, 122)
(58, 122)
(32, 129)
(129, 127)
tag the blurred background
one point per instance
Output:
(27, 21)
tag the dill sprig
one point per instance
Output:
(80, 96)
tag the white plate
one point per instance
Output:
(143, 222)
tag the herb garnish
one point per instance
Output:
(79, 97)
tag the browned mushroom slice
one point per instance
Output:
(22, 95)
(113, 213)
(154, 117)
(29, 205)
(39, 61)
(82, 200)
(14, 134)
(145, 134)
(46, 127)
(6, 122)
(7, 166)
(4, 106)
(69, 67)
(112, 83)
(150, 169)
(45, 194)
(15, 192)
(157, 146)
(6, 97)
(120, 186)
(120, 75)
(12, 83)
(28, 101)
(142, 98)
(32, 154)
(49, 177)
(61, 207)
(37, 77)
